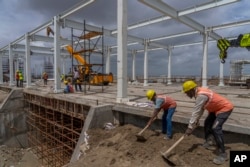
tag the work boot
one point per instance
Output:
(209, 146)
(167, 138)
(220, 159)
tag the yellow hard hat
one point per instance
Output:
(65, 82)
(188, 85)
(150, 94)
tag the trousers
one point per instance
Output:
(167, 121)
(213, 125)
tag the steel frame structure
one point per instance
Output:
(55, 125)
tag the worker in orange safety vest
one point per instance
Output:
(168, 105)
(21, 78)
(219, 109)
(17, 78)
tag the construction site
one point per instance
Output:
(98, 122)
(93, 130)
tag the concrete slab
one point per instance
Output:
(98, 95)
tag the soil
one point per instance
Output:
(119, 147)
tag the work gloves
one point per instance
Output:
(188, 131)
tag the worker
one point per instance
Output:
(219, 109)
(76, 80)
(20, 79)
(45, 78)
(62, 77)
(68, 88)
(17, 78)
(168, 105)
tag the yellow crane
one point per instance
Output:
(84, 68)
(223, 44)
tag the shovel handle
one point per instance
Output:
(148, 124)
(143, 129)
(173, 146)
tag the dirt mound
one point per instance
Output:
(119, 148)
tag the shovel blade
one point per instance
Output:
(140, 138)
(167, 159)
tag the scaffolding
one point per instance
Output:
(54, 127)
(89, 43)
(239, 71)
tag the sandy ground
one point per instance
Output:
(119, 147)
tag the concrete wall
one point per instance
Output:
(13, 120)
(96, 118)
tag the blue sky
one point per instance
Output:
(18, 17)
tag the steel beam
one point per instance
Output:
(191, 10)
(79, 26)
(169, 11)
(75, 8)
(49, 39)
(21, 46)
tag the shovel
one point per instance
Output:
(139, 135)
(165, 154)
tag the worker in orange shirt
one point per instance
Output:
(219, 109)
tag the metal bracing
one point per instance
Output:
(230, 25)
(45, 25)
(213, 28)
(169, 11)
(75, 8)
(43, 49)
(194, 9)
(48, 39)
(78, 26)
(34, 53)
(209, 5)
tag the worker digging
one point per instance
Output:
(125, 83)
(168, 105)
(219, 109)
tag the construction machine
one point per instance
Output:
(84, 68)
(243, 40)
